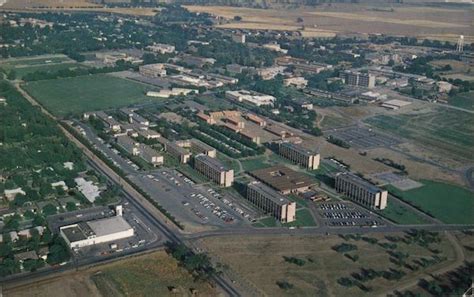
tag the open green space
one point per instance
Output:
(303, 219)
(463, 100)
(449, 203)
(22, 71)
(446, 129)
(401, 215)
(86, 93)
(35, 61)
(266, 222)
(254, 163)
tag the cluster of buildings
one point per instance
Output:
(144, 151)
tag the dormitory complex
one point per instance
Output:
(271, 202)
(361, 191)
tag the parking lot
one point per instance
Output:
(339, 214)
(363, 137)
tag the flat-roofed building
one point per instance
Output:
(298, 82)
(278, 130)
(299, 155)
(198, 146)
(361, 191)
(161, 48)
(251, 97)
(256, 119)
(153, 70)
(214, 170)
(109, 121)
(235, 121)
(250, 136)
(128, 144)
(148, 134)
(95, 232)
(232, 127)
(271, 202)
(283, 179)
(360, 79)
(175, 150)
(204, 117)
(150, 155)
(134, 118)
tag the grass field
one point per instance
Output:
(446, 129)
(86, 93)
(464, 100)
(258, 261)
(451, 204)
(402, 215)
(22, 71)
(254, 164)
(150, 275)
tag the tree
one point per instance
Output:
(237, 18)
(299, 20)
(11, 75)
(49, 210)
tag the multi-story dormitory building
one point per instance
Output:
(271, 202)
(361, 191)
(299, 155)
(214, 170)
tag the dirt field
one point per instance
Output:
(423, 22)
(259, 262)
(148, 275)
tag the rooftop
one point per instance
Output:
(269, 193)
(282, 178)
(299, 149)
(214, 163)
(359, 181)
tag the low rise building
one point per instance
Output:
(361, 191)
(153, 70)
(251, 97)
(238, 37)
(283, 179)
(198, 147)
(299, 155)
(214, 170)
(278, 130)
(256, 119)
(250, 136)
(175, 151)
(109, 121)
(271, 202)
(128, 144)
(357, 78)
(87, 188)
(166, 93)
(161, 48)
(206, 118)
(95, 232)
(134, 118)
(275, 47)
(298, 82)
(270, 72)
(150, 155)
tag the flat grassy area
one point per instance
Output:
(401, 215)
(463, 100)
(86, 93)
(445, 129)
(34, 61)
(451, 204)
(303, 219)
(254, 164)
(258, 261)
(150, 275)
(22, 71)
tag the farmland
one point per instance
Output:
(262, 262)
(86, 93)
(450, 204)
(448, 130)
(464, 100)
(327, 20)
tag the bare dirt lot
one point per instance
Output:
(423, 22)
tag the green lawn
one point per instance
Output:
(266, 222)
(254, 164)
(303, 219)
(86, 93)
(401, 215)
(451, 204)
(446, 129)
(463, 100)
(41, 60)
(22, 71)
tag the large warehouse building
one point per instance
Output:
(361, 191)
(94, 232)
(271, 202)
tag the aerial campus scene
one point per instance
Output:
(236, 148)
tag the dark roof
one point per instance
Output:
(282, 178)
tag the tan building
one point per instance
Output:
(197, 146)
(250, 136)
(150, 155)
(128, 144)
(214, 170)
(204, 117)
(283, 179)
(153, 70)
(256, 119)
(271, 202)
(174, 150)
(299, 155)
(361, 191)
